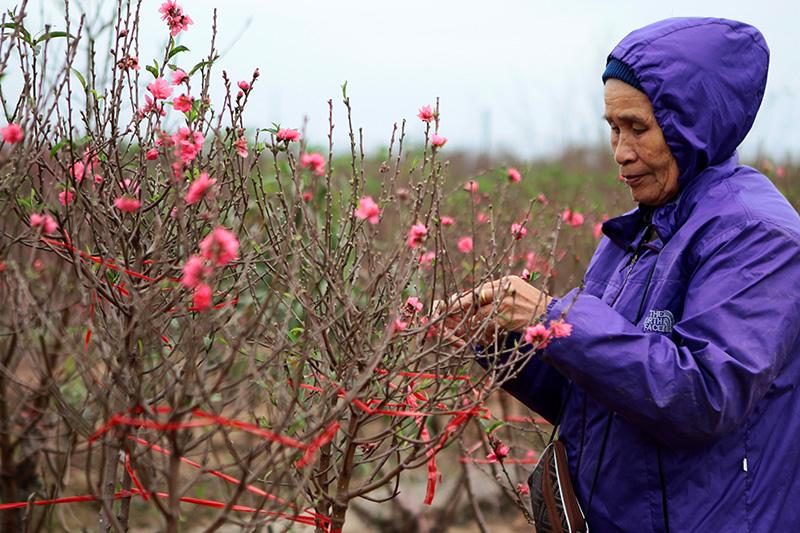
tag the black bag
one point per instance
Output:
(553, 501)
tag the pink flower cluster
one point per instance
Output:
(540, 336)
(368, 210)
(499, 452)
(518, 231)
(173, 14)
(200, 188)
(160, 89)
(12, 133)
(288, 135)
(151, 106)
(437, 141)
(425, 113)
(127, 204)
(572, 218)
(85, 168)
(465, 244)
(66, 197)
(218, 249)
(416, 235)
(241, 147)
(182, 103)
(313, 161)
(178, 77)
(188, 144)
(220, 246)
(46, 222)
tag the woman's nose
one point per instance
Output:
(624, 152)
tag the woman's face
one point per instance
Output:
(644, 159)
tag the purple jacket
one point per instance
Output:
(680, 379)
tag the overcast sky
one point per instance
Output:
(517, 75)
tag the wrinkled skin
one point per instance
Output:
(517, 304)
(638, 144)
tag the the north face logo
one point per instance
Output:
(659, 321)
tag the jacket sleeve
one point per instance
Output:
(740, 322)
(536, 384)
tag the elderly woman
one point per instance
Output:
(678, 391)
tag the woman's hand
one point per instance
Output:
(511, 302)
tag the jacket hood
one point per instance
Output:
(705, 78)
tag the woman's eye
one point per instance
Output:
(639, 130)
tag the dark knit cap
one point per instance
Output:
(619, 70)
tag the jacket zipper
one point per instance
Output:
(636, 254)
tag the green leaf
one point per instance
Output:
(177, 50)
(202, 64)
(80, 79)
(58, 147)
(152, 70)
(490, 429)
(26, 36)
(52, 35)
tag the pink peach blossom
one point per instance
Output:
(172, 13)
(201, 297)
(127, 204)
(438, 141)
(780, 172)
(482, 218)
(597, 231)
(416, 235)
(77, 171)
(427, 258)
(523, 489)
(182, 103)
(288, 135)
(314, 161)
(413, 304)
(368, 210)
(559, 329)
(307, 196)
(152, 154)
(399, 325)
(66, 197)
(500, 452)
(572, 218)
(178, 77)
(447, 221)
(465, 244)
(542, 199)
(425, 113)
(46, 222)
(160, 89)
(194, 270)
(518, 230)
(150, 106)
(243, 85)
(241, 147)
(471, 186)
(188, 144)
(514, 175)
(220, 246)
(537, 335)
(11, 133)
(200, 188)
